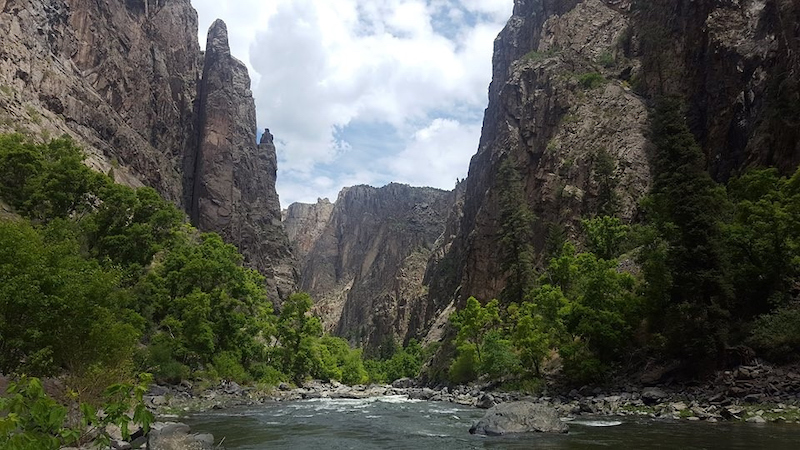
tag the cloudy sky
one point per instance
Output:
(365, 91)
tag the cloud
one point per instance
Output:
(364, 91)
(436, 155)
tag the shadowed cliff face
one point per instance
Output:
(128, 82)
(737, 64)
(572, 80)
(366, 266)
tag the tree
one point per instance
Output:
(297, 332)
(516, 234)
(605, 236)
(686, 206)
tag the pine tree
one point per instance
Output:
(686, 207)
(516, 234)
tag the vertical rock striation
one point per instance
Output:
(365, 268)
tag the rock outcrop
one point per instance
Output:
(365, 269)
(128, 82)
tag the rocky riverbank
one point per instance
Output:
(757, 393)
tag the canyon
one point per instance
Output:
(568, 108)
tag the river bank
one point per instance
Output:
(757, 394)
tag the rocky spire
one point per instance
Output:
(233, 189)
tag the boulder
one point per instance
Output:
(403, 383)
(485, 401)
(653, 395)
(177, 436)
(519, 417)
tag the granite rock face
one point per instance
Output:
(233, 179)
(305, 223)
(128, 82)
(365, 269)
(572, 84)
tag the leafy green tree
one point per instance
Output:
(58, 310)
(605, 236)
(203, 301)
(499, 358)
(474, 321)
(537, 327)
(297, 333)
(763, 240)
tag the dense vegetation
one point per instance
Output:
(100, 281)
(710, 267)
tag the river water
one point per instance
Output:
(394, 422)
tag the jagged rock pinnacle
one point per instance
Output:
(217, 41)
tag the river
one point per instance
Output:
(394, 422)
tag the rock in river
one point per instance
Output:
(519, 417)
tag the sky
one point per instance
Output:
(365, 91)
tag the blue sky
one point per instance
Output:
(365, 91)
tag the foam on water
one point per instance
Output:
(597, 423)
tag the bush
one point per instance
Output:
(499, 359)
(777, 334)
(591, 80)
(581, 366)
(465, 366)
(228, 367)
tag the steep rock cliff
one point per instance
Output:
(556, 108)
(124, 78)
(737, 64)
(572, 82)
(305, 223)
(365, 270)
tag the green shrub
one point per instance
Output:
(228, 367)
(591, 80)
(465, 367)
(499, 358)
(580, 365)
(535, 56)
(777, 334)
(606, 59)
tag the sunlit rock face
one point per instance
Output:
(365, 257)
(127, 80)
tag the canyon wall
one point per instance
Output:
(128, 82)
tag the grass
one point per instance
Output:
(535, 56)
(606, 59)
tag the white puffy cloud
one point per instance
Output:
(327, 73)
